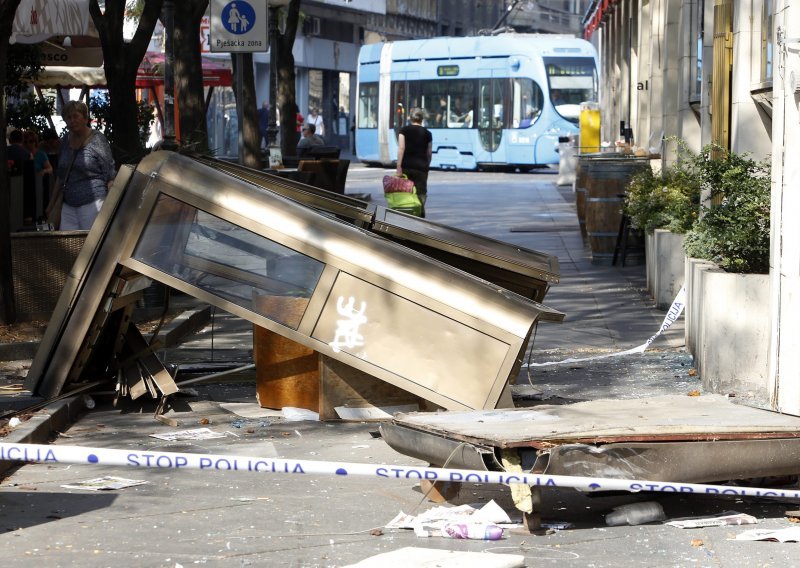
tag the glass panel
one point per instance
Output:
(340, 125)
(314, 90)
(368, 105)
(451, 103)
(490, 112)
(526, 104)
(698, 79)
(766, 41)
(400, 105)
(572, 80)
(228, 261)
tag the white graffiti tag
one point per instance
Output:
(347, 334)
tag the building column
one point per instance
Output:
(785, 231)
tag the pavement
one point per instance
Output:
(221, 517)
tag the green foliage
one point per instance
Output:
(668, 200)
(29, 112)
(24, 110)
(24, 63)
(100, 110)
(734, 231)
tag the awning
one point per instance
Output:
(150, 74)
(594, 15)
(38, 20)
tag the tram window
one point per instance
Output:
(572, 80)
(368, 105)
(399, 104)
(447, 103)
(527, 102)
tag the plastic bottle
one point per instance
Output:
(636, 514)
(473, 531)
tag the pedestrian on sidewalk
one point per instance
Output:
(85, 170)
(414, 152)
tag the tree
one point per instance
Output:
(189, 74)
(7, 10)
(248, 109)
(287, 97)
(122, 59)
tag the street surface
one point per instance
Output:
(217, 517)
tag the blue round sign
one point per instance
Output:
(238, 17)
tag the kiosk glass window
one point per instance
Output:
(228, 261)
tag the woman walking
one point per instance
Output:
(414, 151)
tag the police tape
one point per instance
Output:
(672, 316)
(40, 453)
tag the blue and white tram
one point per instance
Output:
(491, 101)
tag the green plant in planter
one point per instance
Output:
(669, 199)
(734, 231)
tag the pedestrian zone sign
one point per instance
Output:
(238, 25)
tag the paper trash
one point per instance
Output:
(791, 534)
(726, 518)
(109, 482)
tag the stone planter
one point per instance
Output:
(728, 328)
(668, 270)
(694, 307)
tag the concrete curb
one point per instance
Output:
(41, 427)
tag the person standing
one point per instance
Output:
(315, 118)
(414, 152)
(263, 123)
(16, 151)
(85, 170)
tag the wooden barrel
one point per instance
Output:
(581, 173)
(606, 182)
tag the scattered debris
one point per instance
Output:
(193, 434)
(293, 414)
(413, 556)
(464, 520)
(636, 514)
(791, 534)
(373, 412)
(105, 483)
(250, 410)
(722, 519)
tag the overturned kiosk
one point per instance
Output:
(325, 270)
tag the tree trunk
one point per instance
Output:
(122, 61)
(247, 108)
(287, 97)
(7, 10)
(189, 75)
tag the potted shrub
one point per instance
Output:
(665, 205)
(729, 303)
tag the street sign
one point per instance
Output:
(238, 25)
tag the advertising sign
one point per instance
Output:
(238, 26)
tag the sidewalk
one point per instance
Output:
(222, 517)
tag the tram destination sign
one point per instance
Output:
(238, 26)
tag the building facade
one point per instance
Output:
(723, 72)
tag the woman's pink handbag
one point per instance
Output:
(395, 184)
